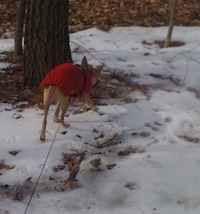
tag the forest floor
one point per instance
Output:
(105, 14)
(102, 14)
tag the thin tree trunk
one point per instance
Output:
(171, 24)
(20, 27)
(46, 38)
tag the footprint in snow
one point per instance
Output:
(9, 139)
(154, 126)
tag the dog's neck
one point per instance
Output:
(82, 71)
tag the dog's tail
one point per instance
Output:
(47, 96)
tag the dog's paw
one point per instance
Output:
(42, 139)
(56, 120)
(66, 125)
(95, 109)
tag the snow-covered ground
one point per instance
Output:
(161, 175)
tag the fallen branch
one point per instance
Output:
(73, 167)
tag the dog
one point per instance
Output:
(64, 81)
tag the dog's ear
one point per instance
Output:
(96, 72)
(100, 68)
(84, 63)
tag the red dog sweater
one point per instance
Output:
(68, 78)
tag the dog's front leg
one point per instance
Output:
(90, 102)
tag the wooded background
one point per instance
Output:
(105, 14)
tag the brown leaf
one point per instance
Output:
(96, 162)
(17, 116)
(68, 183)
(5, 167)
(130, 150)
(111, 166)
(100, 136)
(14, 153)
(190, 139)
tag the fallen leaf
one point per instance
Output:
(111, 166)
(14, 153)
(96, 162)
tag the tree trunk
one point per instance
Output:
(20, 27)
(46, 38)
(171, 24)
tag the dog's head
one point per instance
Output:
(95, 72)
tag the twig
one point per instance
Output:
(109, 142)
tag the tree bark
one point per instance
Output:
(46, 38)
(171, 25)
(20, 27)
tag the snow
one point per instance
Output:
(161, 177)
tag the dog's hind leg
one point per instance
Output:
(64, 106)
(56, 120)
(44, 123)
(47, 99)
